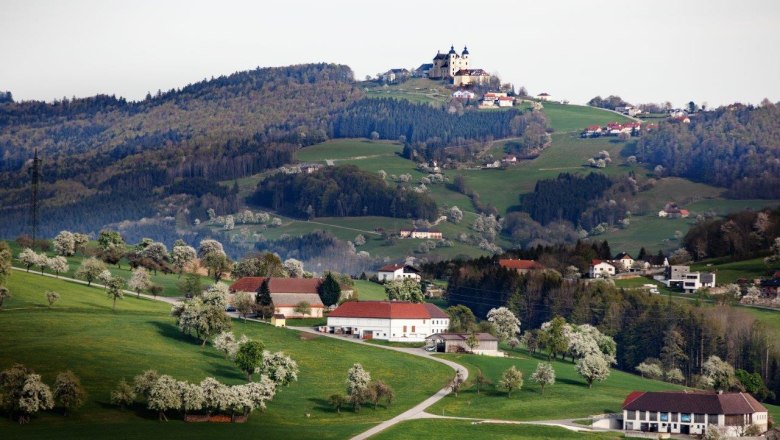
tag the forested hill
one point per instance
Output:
(737, 147)
(109, 151)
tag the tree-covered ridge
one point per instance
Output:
(425, 129)
(736, 147)
(564, 198)
(341, 191)
(220, 129)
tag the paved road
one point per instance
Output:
(415, 412)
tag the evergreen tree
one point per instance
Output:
(263, 300)
(329, 290)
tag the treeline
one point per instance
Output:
(423, 128)
(737, 147)
(341, 191)
(640, 323)
(740, 235)
(219, 129)
(564, 198)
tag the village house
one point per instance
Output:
(692, 413)
(629, 110)
(521, 266)
(465, 77)
(671, 210)
(395, 75)
(509, 158)
(464, 94)
(680, 277)
(423, 71)
(286, 294)
(544, 96)
(392, 272)
(623, 261)
(389, 320)
(487, 344)
(592, 131)
(423, 233)
(506, 101)
(600, 269)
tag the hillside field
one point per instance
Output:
(81, 333)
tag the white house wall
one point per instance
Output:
(392, 329)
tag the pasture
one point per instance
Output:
(81, 333)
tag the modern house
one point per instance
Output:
(392, 272)
(487, 344)
(681, 412)
(521, 266)
(681, 277)
(389, 320)
(600, 269)
(286, 294)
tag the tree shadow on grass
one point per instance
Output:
(225, 371)
(324, 405)
(137, 409)
(172, 332)
(571, 382)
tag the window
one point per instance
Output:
(404, 329)
(674, 417)
(631, 415)
(685, 418)
(664, 417)
(712, 419)
(413, 329)
(653, 416)
(644, 415)
(698, 418)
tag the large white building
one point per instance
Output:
(391, 320)
(681, 412)
(600, 269)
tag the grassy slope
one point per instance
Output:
(101, 347)
(463, 429)
(569, 397)
(169, 282)
(574, 118)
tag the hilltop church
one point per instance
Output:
(454, 67)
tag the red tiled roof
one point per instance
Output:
(693, 402)
(520, 264)
(386, 310)
(594, 127)
(391, 267)
(505, 98)
(436, 312)
(277, 285)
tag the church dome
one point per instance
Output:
(465, 50)
(452, 51)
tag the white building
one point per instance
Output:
(389, 320)
(393, 272)
(681, 412)
(601, 269)
(623, 261)
(694, 281)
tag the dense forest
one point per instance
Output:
(111, 149)
(737, 147)
(341, 191)
(424, 129)
(640, 323)
(564, 198)
(740, 235)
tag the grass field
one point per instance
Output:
(568, 118)
(417, 90)
(569, 397)
(730, 271)
(82, 334)
(168, 282)
(370, 291)
(464, 429)
(342, 149)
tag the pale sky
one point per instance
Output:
(710, 51)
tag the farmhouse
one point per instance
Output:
(424, 233)
(394, 75)
(465, 77)
(681, 412)
(544, 96)
(600, 269)
(487, 344)
(521, 266)
(286, 294)
(392, 272)
(389, 320)
(464, 94)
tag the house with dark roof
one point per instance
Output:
(390, 320)
(521, 266)
(392, 272)
(286, 294)
(685, 412)
(623, 260)
(487, 344)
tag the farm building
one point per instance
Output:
(392, 272)
(423, 233)
(286, 294)
(521, 266)
(487, 344)
(682, 412)
(389, 320)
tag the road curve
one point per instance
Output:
(418, 410)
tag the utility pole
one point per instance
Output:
(36, 178)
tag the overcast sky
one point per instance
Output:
(708, 51)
